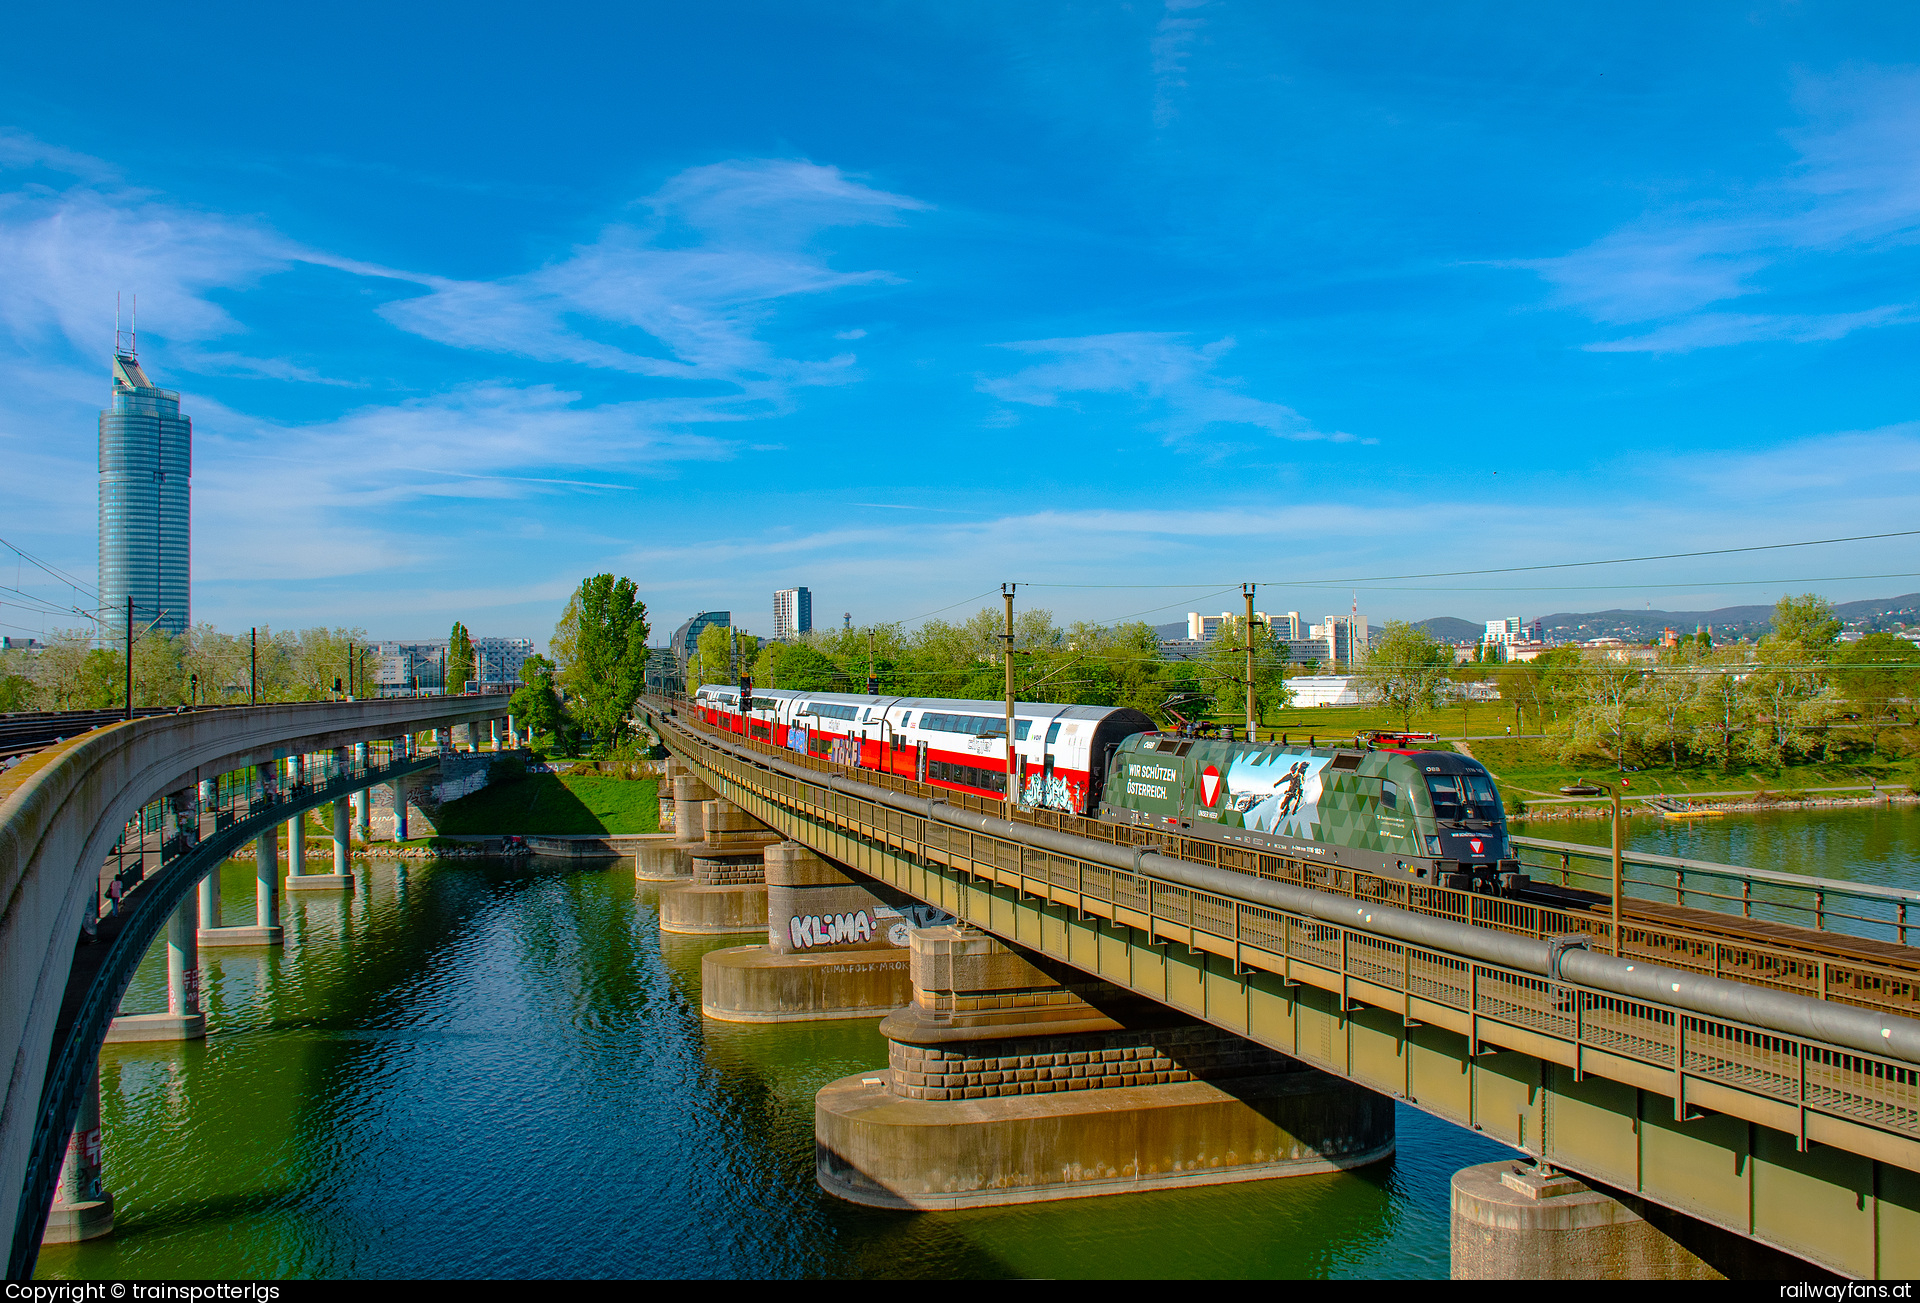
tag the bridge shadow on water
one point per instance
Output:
(500, 1069)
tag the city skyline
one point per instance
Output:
(1249, 296)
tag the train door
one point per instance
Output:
(1046, 760)
(920, 762)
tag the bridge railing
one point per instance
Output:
(1799, 1080)
(1800, 964)
(1860, 909)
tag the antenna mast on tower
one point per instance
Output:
(126, 343)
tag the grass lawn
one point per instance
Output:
(556, 803)
(1527, 771)
(1483, 719)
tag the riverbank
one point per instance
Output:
(1532, 813)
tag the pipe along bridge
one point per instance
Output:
(1718, 1089)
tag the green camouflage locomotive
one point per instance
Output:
(1429, 815)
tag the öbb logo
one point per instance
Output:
(829, 930)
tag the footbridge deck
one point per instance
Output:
(1716, 1085)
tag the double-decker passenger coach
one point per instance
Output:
(1060, 752)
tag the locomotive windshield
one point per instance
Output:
(1457, 797)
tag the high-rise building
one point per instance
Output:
(792, 613)
(146, 457)
(686, 639)
(1503, 631)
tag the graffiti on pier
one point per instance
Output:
(896, 922)
(829, 929)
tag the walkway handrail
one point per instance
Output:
(1808, 895)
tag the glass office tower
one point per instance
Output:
(145, 460)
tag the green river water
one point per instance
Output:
(492, 1069)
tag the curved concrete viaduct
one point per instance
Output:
(62, 811)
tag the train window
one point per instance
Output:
(1053, 732)
(906, 720)
(1445, 789)
(1390, 795)
(1020, 727)
(1481, 796)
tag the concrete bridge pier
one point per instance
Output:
(296, 826)
(674, 863)
(82, 1207)
(399, 789)
(183, 1020)
(1014, 1079)
(836, 948)
(362, 799)
(1513, 1220)
(729, 888)
(266, 930)
(341, 879)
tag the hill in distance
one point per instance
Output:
(1729, 622)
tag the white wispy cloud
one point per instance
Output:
(723, 246)
(1173, 38)
(1852, 194)
(20, 151)
(1177, 379)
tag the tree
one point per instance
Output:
(461, 665)
(535, 703)
(1808, 621)
(1877, 671)
(1607, 691)
(609, 669)
(1222, 671)
(803, 669)
(1405, 671)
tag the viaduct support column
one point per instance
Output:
(341, 879)
(1514, 1220)
(675, 863)
(362, 799)
(183, 1020)
(1014, 1079)
(296, 826)
(266, 900)
(82, 1208)
(837, 947)
(729, 888)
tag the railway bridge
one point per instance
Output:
(161, 801)
(1756, 1076)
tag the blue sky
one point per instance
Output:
(902, 301)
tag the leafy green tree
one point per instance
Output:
(803, 669)
(609, 668)
(1405, 671)
(712, 660)
(536, 703)
(1807, 621)
(1877, 671)
(461, 664)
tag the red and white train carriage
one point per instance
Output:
(1060, 751)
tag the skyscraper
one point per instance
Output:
(146, 456)
(792, 612)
